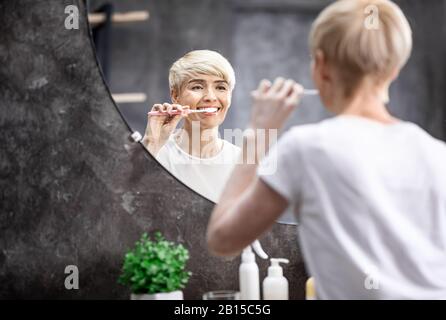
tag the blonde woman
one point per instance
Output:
(368, 188)
(195, 154)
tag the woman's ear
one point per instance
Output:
(174, 95)
(321, 66)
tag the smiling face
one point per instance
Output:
(205, 91)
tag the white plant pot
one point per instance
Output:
(174, 295)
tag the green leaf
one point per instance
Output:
(154, 266)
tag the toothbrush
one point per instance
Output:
(176, 112)
(310, 92)
(306, 92)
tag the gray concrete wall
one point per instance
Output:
(73, 189)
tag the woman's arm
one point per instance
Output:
(246, 209)
(248, 206)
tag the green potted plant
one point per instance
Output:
(155, 269)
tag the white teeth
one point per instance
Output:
(207, 110)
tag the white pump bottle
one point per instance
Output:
(275, 285)
(249, 272)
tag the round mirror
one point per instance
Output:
(138, 42)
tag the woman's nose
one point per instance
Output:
(210, 95)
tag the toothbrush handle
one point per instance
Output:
(160, 113)
(310, 92)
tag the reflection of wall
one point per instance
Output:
(73, 190)
(419, 95)
(272, 40)
(271, 43)
(266, 38)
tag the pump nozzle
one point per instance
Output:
(259, 250)
(275, 261)
(248, 255)
(275, 270)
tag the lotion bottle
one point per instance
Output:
(275, 285)
(249, 273)
(310, 290)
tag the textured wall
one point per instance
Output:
(73, 189)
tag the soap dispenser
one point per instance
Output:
(275, 285)
(249, 272)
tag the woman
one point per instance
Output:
(195, 154)
(369, 189)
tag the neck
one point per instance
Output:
(199, 142)
(369, 102)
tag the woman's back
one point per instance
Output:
(371, 202)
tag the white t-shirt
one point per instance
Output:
(370, 199)
(206, 176)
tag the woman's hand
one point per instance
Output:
(159, 128)
(273, 103)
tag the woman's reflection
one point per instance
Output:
(195, 154)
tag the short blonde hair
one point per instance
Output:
(358, 50)
(200, 62)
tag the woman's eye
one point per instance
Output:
(197, 88)
(221, 88)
